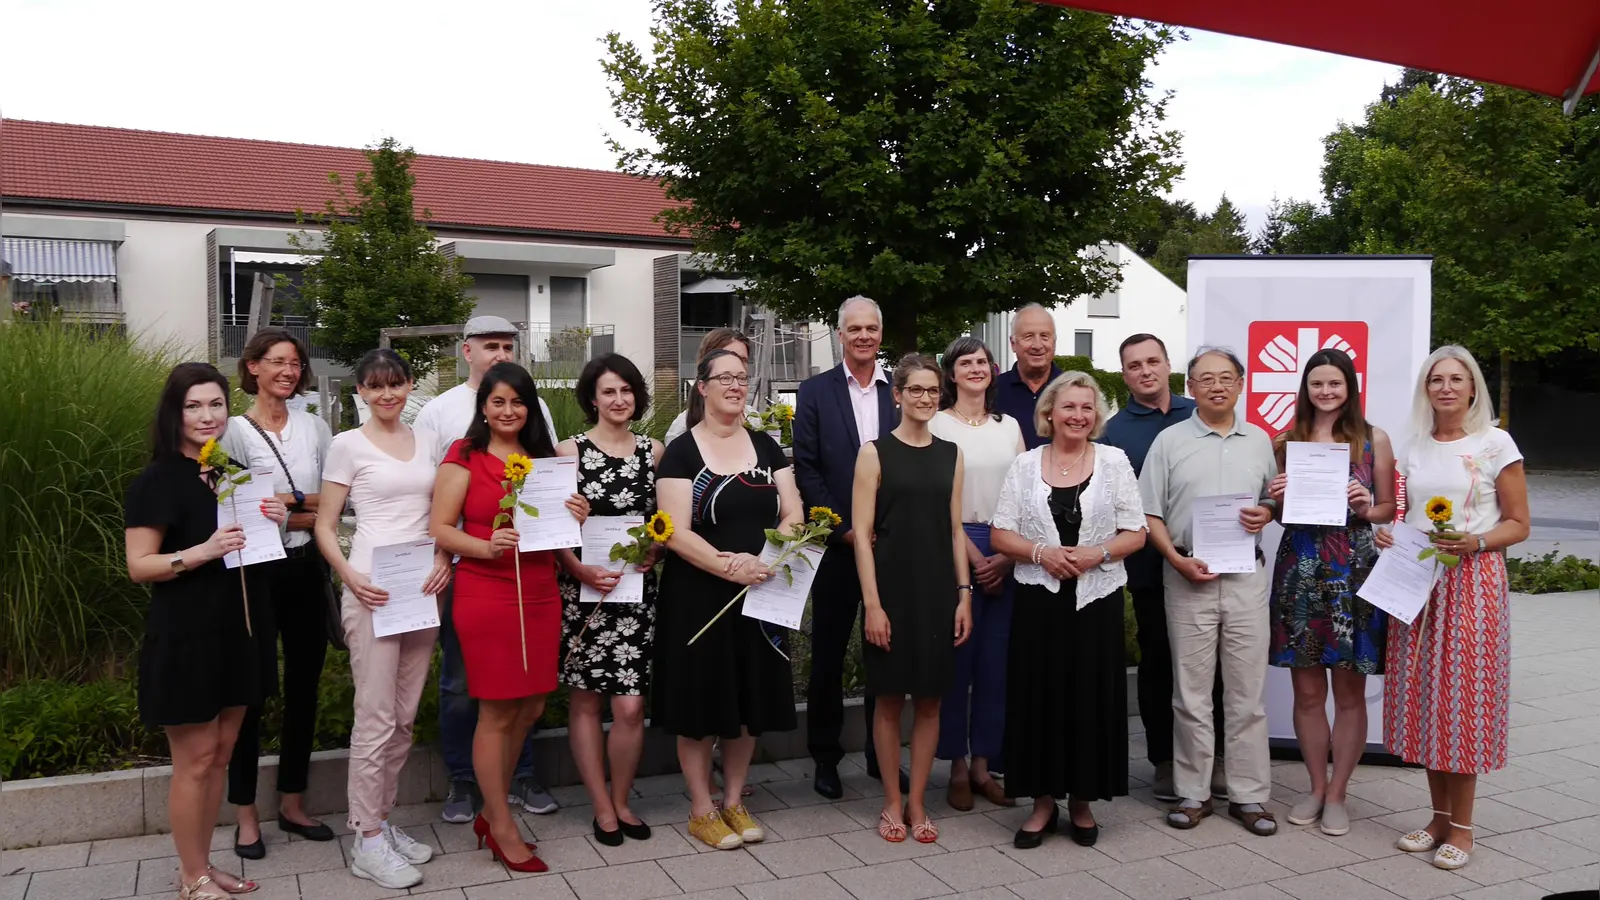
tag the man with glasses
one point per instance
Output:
(835, 413)
(1214, 620)
(486, 340)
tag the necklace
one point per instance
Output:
(1065, 470)
(972, 423)
(1073, 513)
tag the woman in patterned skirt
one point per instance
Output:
(1320, 628)
(606, 650)
(1446, 697)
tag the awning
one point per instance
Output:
(716, 286)
(1550, 47)
(39, 259)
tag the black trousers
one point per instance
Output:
(835, 601)
(1155, 676)
(296, 598)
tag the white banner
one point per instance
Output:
(1275, 312)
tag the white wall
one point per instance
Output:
(623, 296)
(1146, 302)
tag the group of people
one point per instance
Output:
(988, 524)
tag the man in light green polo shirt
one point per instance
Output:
(1214, 619)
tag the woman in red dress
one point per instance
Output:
(466, 499)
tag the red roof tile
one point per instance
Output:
(50, 161)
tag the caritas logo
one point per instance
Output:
(1277, 356)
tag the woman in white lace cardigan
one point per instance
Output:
(1069, 513)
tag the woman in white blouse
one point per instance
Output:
(1447, 688)
(1068, 513)
(387, 471)
(972, 714)
(274, 367)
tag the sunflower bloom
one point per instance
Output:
(518, 467)
(824, 516)
(660, 527)
(212, 455)
(1439, 510)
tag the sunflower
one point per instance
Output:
(822, 515)
(1439, 510)
(518, 467)
(213, 456)
(659, 527)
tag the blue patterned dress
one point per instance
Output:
(1317, 619)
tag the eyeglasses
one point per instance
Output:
(727, 379)
(917, 391)
(291, 364)
(1222, 381)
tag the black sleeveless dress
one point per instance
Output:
(915, 568)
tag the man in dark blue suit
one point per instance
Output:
(835, 413)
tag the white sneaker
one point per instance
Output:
(414, 851)
(385, 866)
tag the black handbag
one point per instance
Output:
(332, 612)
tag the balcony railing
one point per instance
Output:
(236, 330)
(789, 361)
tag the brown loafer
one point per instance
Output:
(1256, 822)
(959, 794)
(993, 792)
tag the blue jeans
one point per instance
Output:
(458, 713)
(980, 679)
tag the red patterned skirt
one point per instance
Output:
(1447, 689)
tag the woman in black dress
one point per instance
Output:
(908, 497)
(723, 486)
(198, 665)
(1069, 512)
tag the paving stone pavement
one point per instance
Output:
(1538, 825)
(1567, 497)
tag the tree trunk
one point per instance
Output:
(1505, 390)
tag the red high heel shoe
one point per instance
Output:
(480, 827)
(531, 864)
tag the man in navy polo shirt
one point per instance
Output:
(1151, 409)
(1033, 343)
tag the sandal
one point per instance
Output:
(1450, 856)
(925, 831)
(1256, 821)
(1184, 817)
(1419, 841)
(889, 830)
(244, 887)
(194, 892)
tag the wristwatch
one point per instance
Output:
(1105, 555)
(1483, 543)
(178, 567)
(963, 587)
(299, 501)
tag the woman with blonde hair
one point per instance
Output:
(1069, 513)
(1446, 693)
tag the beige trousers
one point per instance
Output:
(1221, 622)
(389, 674)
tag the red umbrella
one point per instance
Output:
(1550, 47)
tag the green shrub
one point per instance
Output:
(58, 727)
(1548, 575)
(75, 411)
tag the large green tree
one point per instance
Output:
(1221, 231)
(378, 266)
(949, 158)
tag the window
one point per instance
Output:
(1083, 343)
(1105, 306)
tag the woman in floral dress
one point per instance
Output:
(1321, 630)
(1447, 692)
(606, 646)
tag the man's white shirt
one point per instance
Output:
(447, 417)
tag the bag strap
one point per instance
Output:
(273, 446)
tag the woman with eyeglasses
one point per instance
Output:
(1069, 513)
(274, 368)
(724, 486)
(907, 496)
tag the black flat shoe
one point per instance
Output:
(317, 832)
(612, 838)
(826, 782)
(1085, 836)
(1028, 840)
(258, 850)
(638, 831)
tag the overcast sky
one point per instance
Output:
(521, 81)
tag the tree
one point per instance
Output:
(378, 266)
(1298, 227)
(949, 159)
(1221, 232)
(1489, 181)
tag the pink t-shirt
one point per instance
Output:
(392, 497)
